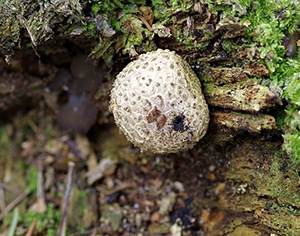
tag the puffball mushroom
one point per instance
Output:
(158, 104)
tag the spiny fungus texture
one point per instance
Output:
(158, 104)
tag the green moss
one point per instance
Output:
(46, 222)
(270, 20)
(5, 142)
(163, 11)
(271, 187)
(292, 133)
(95, 7)
(188, 41)
(227, 45)
(123, 17)
(105, 50)
(160, 9)
(287, 77)
(91, 28)
(39, 19)
(292, 90)
(31, 179)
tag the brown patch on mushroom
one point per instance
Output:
(153, 115)
(161, 121)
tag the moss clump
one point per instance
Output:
(46, 222)
(287, 77)
(163, 10)
(269, 22)
(271, 193)
(292, 134)
(38, 19)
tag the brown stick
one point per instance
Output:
(40, 187)
(64, 215)
(2, 199)
(14, 203)
(9, 188)
(146, 23)
(31, 228)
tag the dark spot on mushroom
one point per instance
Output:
(178, 123)
(78, 115)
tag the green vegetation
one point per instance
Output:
(270, 22)
(269, 30)
(124, 18)
(14, 223)
(38, 19)
(31, 178)
(47, 221)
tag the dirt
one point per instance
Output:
(97, 183)
(213, 189)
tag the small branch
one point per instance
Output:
(31, 228)
(145, 23)
(9, 188)
(74, 149)
(14, 203)
(64, 215)
(40, 187)
(40, 204)
(2, 199)
(120, 188)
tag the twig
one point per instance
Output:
(31, 228)
(106, 231)
(74, 149)
(64, 215)
(2, 199)
(33, 126)
(49, 177)
(14, 203)
(40, 187)
(94, 232)
(145, 23)
(9, 188)
(166, 232)
(120, 188)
